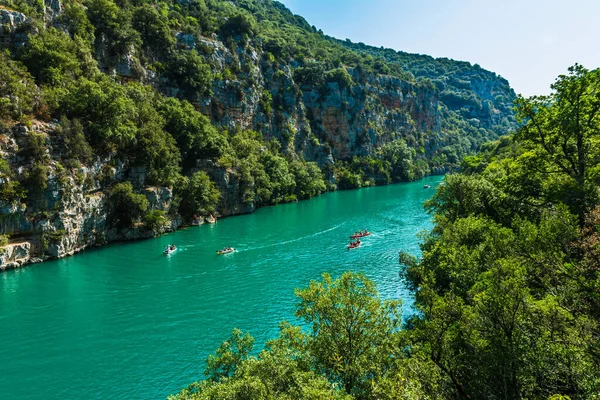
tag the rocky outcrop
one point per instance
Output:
(13, 27)
(16, 255)
(72, 212)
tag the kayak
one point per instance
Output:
(349, 247)
(225, 251)
(169, 251)
(359, 235)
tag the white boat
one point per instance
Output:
(169, 250)
(226, 250)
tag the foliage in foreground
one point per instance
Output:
(353, 349)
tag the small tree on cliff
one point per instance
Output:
(128, 207)
(199, 194)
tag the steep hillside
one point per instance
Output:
(125, 119)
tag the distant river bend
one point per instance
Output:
(126, 322)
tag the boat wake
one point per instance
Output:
(291, 240)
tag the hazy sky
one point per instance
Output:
(528, 42)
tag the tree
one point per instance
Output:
(562, 131)
(128, 207)
(200, 195)
(353, 331)
(76, 144)
(190, 72)
(239, 24)
(18, 92)
(52, 57)
(229, 356)
(308, 178)
(153, 28)
(400, 157)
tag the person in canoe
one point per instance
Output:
(169, 249)
(354, 245)
(225, 250)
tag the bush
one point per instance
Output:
(18, 92)
(155, 220)
(10, 189)
(199, 195)
(75, 142)
(128, 207)
(191, 74)
(3, 240)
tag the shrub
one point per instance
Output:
(18, 93)
(128, 207)
(154, 220)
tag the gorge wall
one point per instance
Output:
(362, 115)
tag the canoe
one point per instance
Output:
(221, 252)
(359, 235)
(169, 251)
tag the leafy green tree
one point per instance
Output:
(282, 182)
(36, 180)
(153, 147)
(562, 131)
(312, 74)
(18, 93)
(229, 356)
(77, 22)
(196, 137)
(154, 29)
(239, 24)
(128, 207)
(113, 26)
(308, 178)
(400, 156)
(104, 109)
(155, 220)
(10, 188)
(352, 329)
(76, 144)
(52, 57)
(341, 76)
(190, 72)
(199, 194)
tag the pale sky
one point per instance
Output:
(528, 42)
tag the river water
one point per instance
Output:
(127, 322)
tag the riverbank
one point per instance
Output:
(23, 251)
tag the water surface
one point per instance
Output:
(127, 322)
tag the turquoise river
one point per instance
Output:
(126, 322)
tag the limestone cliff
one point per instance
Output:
(318, 99)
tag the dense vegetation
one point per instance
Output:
(507, 288)
(124, 80)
